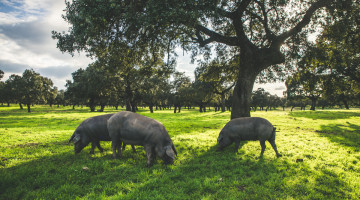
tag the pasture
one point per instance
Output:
(321, 158)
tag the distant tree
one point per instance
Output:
(202, 91)
(30, 88)
(294, 95)
(90, 86)
(2, 88)
(181, 85)
(164, 95)
(260, 99)
(75, 89)
(153, 89)
(283, 102)
(97, 85)
(14, 88)
(308, 83)
(60, 98)
(220, 76)
(273, 102)
(1, 74)
(2, 93)
(51, 96)
(339, 88)
(36, 88)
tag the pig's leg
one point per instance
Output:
(123, 146)
(263, 146)
(99, 147)
(92, 147)
(272, 142)
(149, 155)
(119, 149)
(237, 144)
(116, 144)
(133, 148)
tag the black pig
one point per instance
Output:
(135, 129)
(94, 130)
(248, 128)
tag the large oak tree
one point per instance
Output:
(260, 32)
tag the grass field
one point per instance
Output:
(321, 158)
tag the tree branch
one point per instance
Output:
(236, 17)
(240, 9)
(264, 21)
(305, 21)
(213, 36)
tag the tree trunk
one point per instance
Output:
(128, 94)
(102, 107)
(242, 95)
(346, 104)
(151, 108)
(92, 105)
(133, 107)
(222, 102)
(28, 107)
(313, 103)
(21, 107)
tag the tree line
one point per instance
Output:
(93, 88)
(328, 72)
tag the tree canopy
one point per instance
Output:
(29, 88)
(262, 33)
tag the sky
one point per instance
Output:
(25, 43)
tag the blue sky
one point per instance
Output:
(25, 42)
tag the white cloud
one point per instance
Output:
(25, 40)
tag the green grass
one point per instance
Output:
(321, 158)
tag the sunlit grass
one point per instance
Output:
(320, 158)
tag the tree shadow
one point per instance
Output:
(347, 134)
(325, 115)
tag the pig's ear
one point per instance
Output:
(76, 138)
(170, 152)
(173, 148)
(72, 137)
(220, 138)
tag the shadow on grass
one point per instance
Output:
(196, 174)
(326, 115)
(347, 134)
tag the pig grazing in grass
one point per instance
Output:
(135, 129)
(94, 130)
(248, 128)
